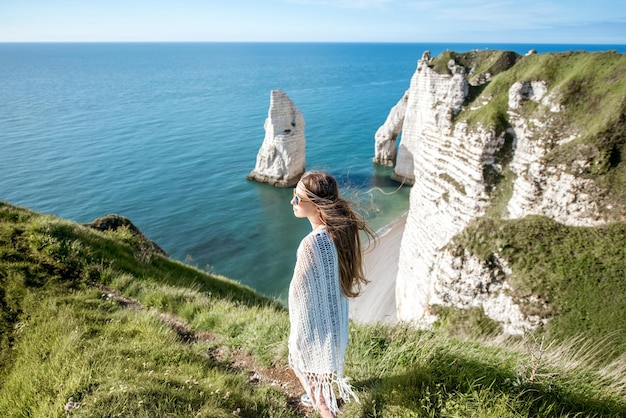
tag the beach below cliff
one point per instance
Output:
(377, 303)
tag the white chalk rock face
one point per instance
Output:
(425, 110)
(281, 158)
(445, 163)
(387, 134)
(540, 189)
(449, 164)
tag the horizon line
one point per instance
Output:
(306, 42)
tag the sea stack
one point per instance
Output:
(281, 158)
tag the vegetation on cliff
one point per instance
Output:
(573, 276)
(590, 89)
(100, 324)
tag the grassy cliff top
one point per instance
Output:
(95, 323)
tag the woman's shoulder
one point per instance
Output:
(317, 234)
(318, 238)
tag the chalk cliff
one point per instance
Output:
(490, 133)
(281, 158)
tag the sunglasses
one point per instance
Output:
(298, 199)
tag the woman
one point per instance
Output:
(328, 270)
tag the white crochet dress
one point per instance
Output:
(318, 313)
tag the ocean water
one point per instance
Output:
(165, 134)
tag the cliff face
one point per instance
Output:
(281, 158)
(474, 127)
(559, 191)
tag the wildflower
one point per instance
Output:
(71, 405)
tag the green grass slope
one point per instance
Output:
(93, 317)
(575, 275)
(93, 324)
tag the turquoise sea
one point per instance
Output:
(165, 134)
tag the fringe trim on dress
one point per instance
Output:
(325, 384)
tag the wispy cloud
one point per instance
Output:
(347, 4)
(498, 13)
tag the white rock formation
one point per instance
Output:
(430, 96)
(281, 158)
(465, 281)
(541, 189)
(448, 162)
(387, 134)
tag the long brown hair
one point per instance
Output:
(343, 224)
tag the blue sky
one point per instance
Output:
(505, 21)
